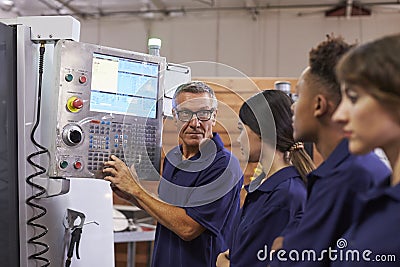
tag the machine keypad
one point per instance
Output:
(133, 143)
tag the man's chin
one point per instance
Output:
(193, 141)
(195, 135)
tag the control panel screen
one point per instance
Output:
(124, 86)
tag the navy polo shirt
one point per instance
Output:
(276, 203)
(208, 187)
(332, 203)
(374, 237)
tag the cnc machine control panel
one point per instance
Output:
(105, 101)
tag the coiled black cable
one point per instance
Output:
(30, 200)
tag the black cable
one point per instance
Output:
(42, 170)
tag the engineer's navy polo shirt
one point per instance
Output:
(374, 237)
(332, 204)
(266, 212)
(208, 187)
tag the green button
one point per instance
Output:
(63, 164)
(69, 77)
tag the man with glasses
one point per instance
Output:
(200, 188)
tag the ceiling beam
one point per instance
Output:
(356, 9)
(348, 10)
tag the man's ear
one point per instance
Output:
(320, 105)
(174, 116)
(214, 117)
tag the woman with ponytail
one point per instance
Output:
(276, 198)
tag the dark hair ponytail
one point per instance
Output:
(300, 159)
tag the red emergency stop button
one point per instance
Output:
(82, 79)
(74, 104)
(77, 165)
(77, 103)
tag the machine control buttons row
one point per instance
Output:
(77, 164)
(100, 122)
(69, 77)
(135, 144)
(99, 130)
(95, 160)
(97, 143)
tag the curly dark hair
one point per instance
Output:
(323, 60)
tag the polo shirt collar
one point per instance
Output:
(339, 154)
(273, 181)
(207, 151)
(384, 189)
(393, 192)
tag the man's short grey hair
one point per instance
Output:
(195, 87)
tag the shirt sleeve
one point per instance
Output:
(298, 196)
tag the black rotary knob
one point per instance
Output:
(72, 134)
(75, 136)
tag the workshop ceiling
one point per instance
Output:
(148, 9)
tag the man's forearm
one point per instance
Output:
(172, 217)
